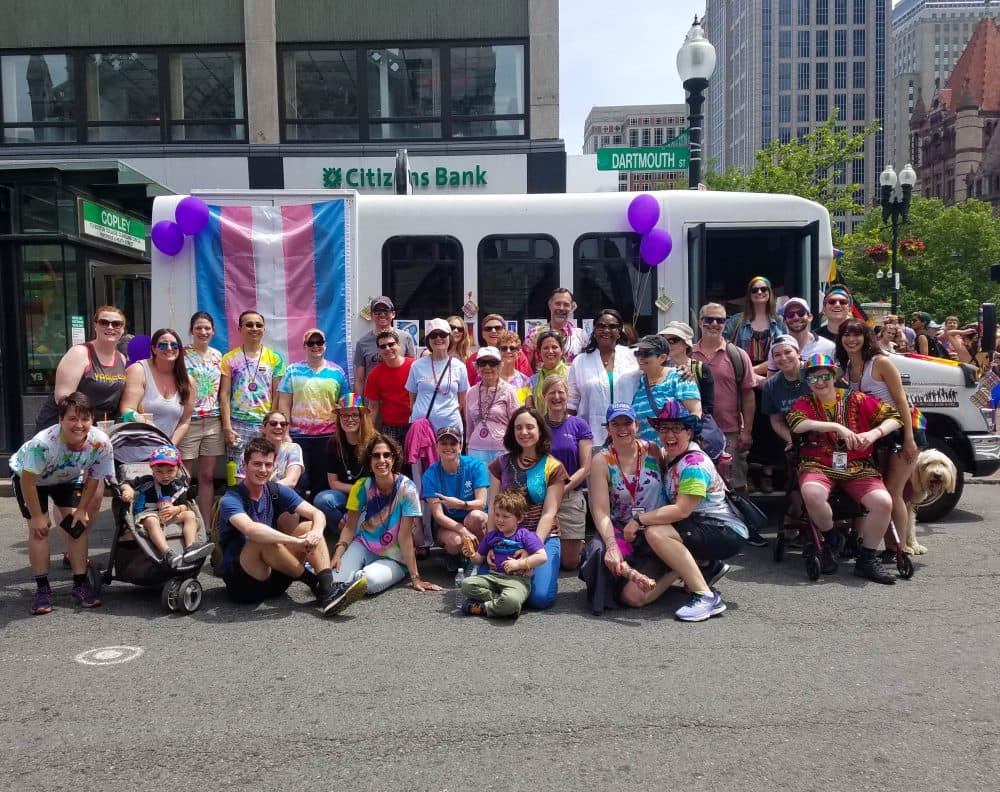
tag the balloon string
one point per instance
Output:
(637, 291)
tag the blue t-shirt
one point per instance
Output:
(462, 484)
(231, 540)
(504, 547)
(566, 439)
(778, 394)
(672, 387)
(422, 379)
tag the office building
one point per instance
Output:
(637, 126)
(784, 66)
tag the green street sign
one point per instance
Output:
(112, 226)
(643, 159)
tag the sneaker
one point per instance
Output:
(871, 568)
(344, 594)
(714, 571)
(85, 596)
(701, 607)
(832, 541)
(170, 559)
(41, 602)
(473, 608)
(756, 540)
(196, 551)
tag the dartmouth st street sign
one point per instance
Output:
(643, 159)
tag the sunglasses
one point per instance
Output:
(493, 329)
(484, 363)
(278, 424)
(836, 302)
(644, 353)
(760, 289)
(315, 343)
(381, 455)
(710, 320)
(672, 341)
(115, 323)
(163, 346)
(436, 334)
(457, 329)
(389, 345)
(509, 349)
(815, 379)
(254, 325)
(796, 314)
(606, 326)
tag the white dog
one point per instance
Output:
(934, 475)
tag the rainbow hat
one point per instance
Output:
(352, 401)
(822, 361)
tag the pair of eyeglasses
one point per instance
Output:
(795, 314)
(436, 334)
(606, 326)
(315, 343)
(350, 416)
(509, 349)
(836, 301)
(663, 428)
(710, 320)
(493, 329)
(278, 424)
(389, 345)
(760, 289)
(254, 325)
(115, 323)
(163, 346)
(485, 363)
(815, 379)
(457, 329)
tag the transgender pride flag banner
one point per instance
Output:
(287, 262)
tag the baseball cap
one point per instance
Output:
(449, 431)
(799, 301)
(165, 455)
(786, 339)
(311, 332)
(680, 330)
(617, 410)
(383, 300)
(924, 317)
(439, 325)
(653, 343)
(488, 352)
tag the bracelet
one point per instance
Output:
(345, 545)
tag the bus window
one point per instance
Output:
(516, 276)
(608, 273)
(422, 275)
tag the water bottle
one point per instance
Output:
(231, 473)
(459, 578)
(725, 467)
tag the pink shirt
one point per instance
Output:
(727, 395)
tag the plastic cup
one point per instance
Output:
(146, 418)
(105, 426)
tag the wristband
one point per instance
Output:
(128, 417)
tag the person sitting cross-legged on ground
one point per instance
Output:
(840, 427)
(262, 552)
(504, 589)
(159, 500)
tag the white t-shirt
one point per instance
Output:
(54, 462)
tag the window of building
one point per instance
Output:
(822, 12)
(633, 138)
(516, 275)
(822, 76)
(822, 109)
(803, 12)
(658, 136)
(801, 133)
(822, 43)
(803, 77)
(803, 43)
(840, 103)
(785, 44)
(859, 75)
(802, 111)
(424, 275)
(488, 91)
(605, 140)
(321, 94)
(404, 92)
(39, 98)
(858, 106)
(784, 76)
(840, 12)
(859, 12)
(607, 270)
(784, 135)
(123, 97)
(784, 109)
(52, 296)
(784, 12)
(859, 43)
(858, 171)
(207, 96)
(616, 140)
(840, 75)
(840, 43)
(645, 138)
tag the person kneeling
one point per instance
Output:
(504, 589)
(160, 500)
(840, 428)
(263, 551)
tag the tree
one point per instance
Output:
(951, 276)
(810, 168)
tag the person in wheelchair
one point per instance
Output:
(836, 430)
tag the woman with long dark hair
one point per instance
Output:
(161, 387)
(754, 329)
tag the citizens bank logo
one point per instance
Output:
(332, 178)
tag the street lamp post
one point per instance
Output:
(894, 198)
(695, 65)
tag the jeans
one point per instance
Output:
(358, 560)
(333, 504)
(546, 577)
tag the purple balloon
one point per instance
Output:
(139, 349)
(643, 213)
(656, 246)
(191, 215)
(167, 237)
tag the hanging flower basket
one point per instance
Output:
(912, 247)
(878, 253)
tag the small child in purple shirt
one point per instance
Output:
(503, 590)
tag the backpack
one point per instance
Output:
(934, 348)
(733, 353)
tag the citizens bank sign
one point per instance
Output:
(437, 177)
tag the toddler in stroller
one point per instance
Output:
(161, 499)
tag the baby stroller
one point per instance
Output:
(133, 558)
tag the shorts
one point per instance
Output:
(64, 496)
(708, 538)
(738, 471)
(855, 488)
(246, 589)
(572, 515)
(245, 432)
(203, 439)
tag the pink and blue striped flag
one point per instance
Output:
(286, 262)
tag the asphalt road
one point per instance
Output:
(836, 685)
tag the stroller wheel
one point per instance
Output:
(169, 597)
(812, 568)
(189, 595)
(95, 578)
(905, 567)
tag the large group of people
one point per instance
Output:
(499, 454)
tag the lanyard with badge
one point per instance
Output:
(838, 457)
(632, 486)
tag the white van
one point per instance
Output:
(506, 254)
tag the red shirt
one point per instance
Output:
(388, 386)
